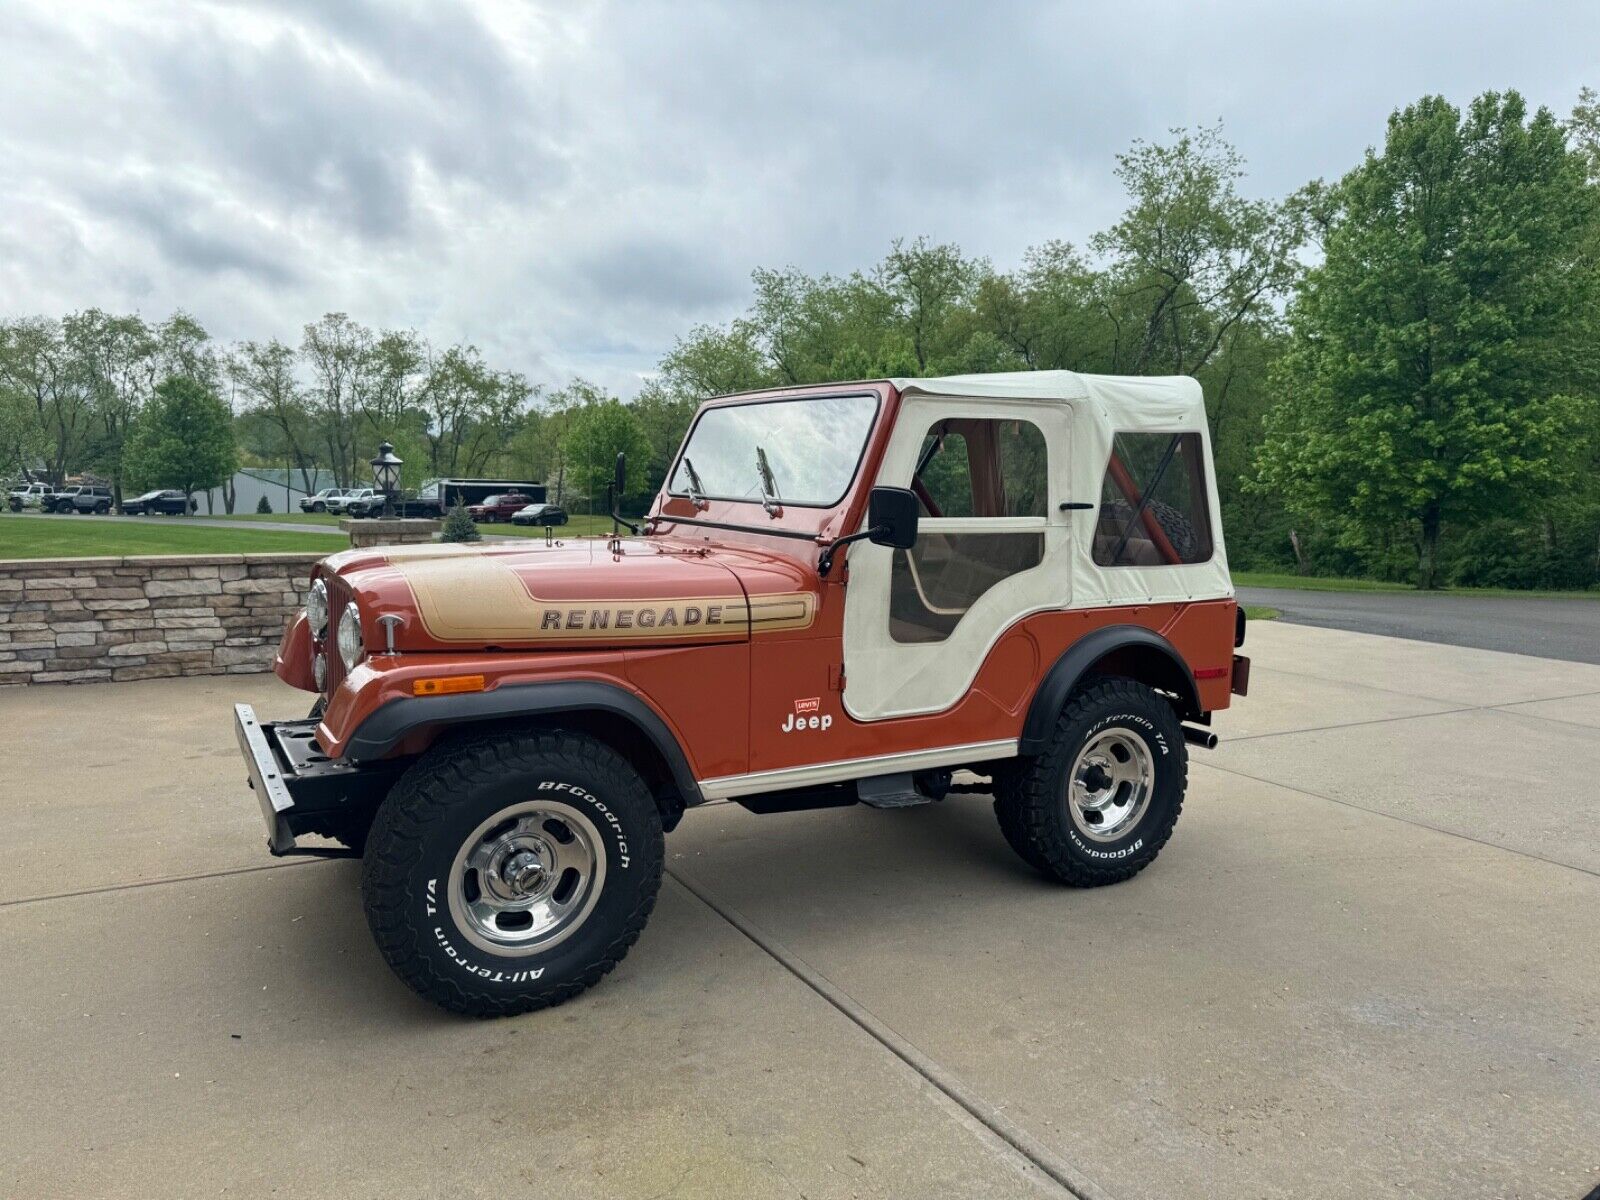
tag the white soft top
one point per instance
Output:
(1146, 403)
(1103, 406)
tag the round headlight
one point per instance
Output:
(350, 637)
(317, 609)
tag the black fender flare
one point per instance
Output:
(384, 729)
(1081, 656)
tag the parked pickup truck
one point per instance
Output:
(318, 502)
(342, 502)
(888, 593)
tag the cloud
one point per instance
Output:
(571, 185)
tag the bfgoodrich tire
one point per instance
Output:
(1100, 802)
(509, 872)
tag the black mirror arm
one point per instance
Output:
(825, 563)
(617, 518)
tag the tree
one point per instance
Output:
(37, 362)
(264, 373)
(340, 353)
(21, 438)
(472, 411)
(458, 527)
(597, 432)
(1190, 258)
(184, 439)
(263, 505)
(117, 357)
(1430, 380)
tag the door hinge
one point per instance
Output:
(836, 678)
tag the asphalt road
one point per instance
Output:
(1564, 629)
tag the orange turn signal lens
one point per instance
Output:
(444, 685)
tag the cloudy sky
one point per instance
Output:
(571, 185)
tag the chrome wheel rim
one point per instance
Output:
(527, 878)
(1110, 784)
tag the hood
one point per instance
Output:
(582, 593)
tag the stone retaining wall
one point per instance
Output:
(87, 620)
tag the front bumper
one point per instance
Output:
(299, 788)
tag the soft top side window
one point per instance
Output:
(1153, 509)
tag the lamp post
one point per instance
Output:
(386, 476)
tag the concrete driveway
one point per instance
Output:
(1366, 965)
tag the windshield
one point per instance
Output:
(808, 448)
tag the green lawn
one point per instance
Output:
(1308, 583)
(578, 525)
(295, 517)
(88, 537)
(1261, 612)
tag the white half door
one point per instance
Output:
(992, 547)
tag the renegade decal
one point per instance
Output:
(491, 601)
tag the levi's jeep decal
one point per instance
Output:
(805, 716)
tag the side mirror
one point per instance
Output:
(621, 480)
(892, 516)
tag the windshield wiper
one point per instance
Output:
(769, 485)
(697, 490)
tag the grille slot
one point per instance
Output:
(338, 597)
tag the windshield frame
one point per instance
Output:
(783, 502)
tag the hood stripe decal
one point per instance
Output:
(497, 605)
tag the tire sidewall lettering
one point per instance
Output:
(1158, 742)
(517, 971)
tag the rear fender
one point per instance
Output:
(1130, 651)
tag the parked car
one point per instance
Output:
(58, 499)
(80, 498)
(319, 501)
(168, 502)
(92, 498)
(539, 514)
(28, 495)
(502, 506)
(1038, 593)
(341, 502)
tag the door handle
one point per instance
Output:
(1075, 506)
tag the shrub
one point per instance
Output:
(263, 505)
(458, 527)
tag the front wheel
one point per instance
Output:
(509, 872)
(1100, 802)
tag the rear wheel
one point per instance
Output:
(1100, 802)
(509, 872)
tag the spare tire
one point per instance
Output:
(1115, 515)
